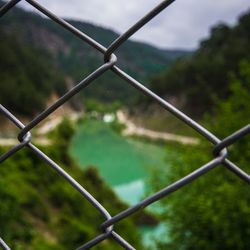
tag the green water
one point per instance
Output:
(124, 163)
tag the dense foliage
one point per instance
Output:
(213, 211)
(40, 210)
(198, 80)
(27, 77)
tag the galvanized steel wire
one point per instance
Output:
(110, 64)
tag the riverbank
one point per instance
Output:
(40, 134)
(53, 122)
(131, 130)
(134, 130)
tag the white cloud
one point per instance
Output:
(181, 25)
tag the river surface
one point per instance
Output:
(125, 164)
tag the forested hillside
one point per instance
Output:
(201, 79)
(28, 77)
(38, 52)
(214, 84)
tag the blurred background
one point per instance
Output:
(120, 145)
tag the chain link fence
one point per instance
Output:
(110, 59)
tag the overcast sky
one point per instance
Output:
(182, 25)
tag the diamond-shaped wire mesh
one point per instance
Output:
(25, 139)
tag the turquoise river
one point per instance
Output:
(125, 164)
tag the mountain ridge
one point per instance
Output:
(72, 59)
